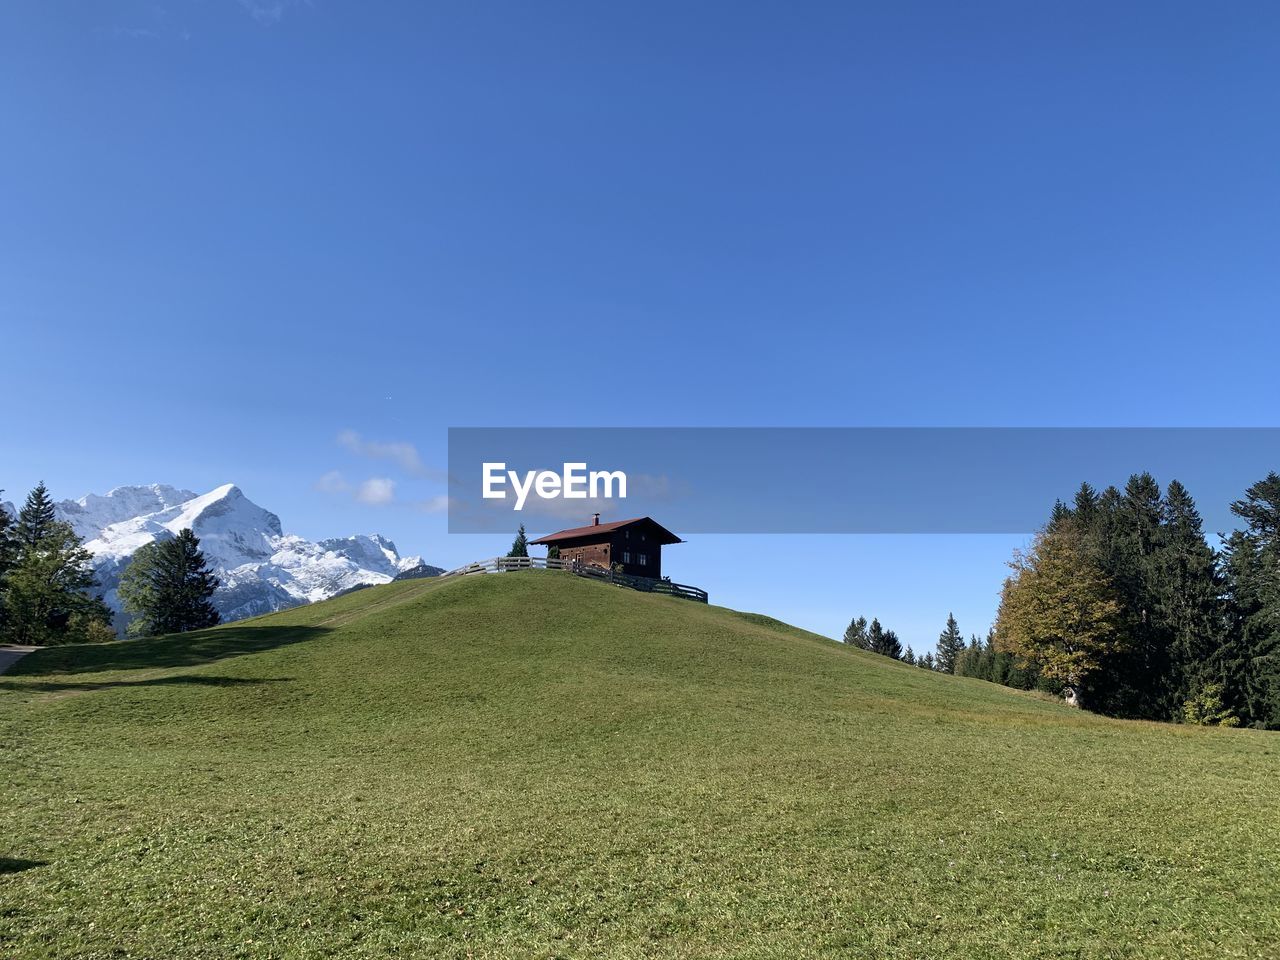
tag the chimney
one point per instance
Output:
(595, 522)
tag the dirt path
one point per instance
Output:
(11, 654)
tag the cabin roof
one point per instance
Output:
(665, 536)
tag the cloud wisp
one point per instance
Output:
(268, 12)
(402, 454)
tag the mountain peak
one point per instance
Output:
(261, 568)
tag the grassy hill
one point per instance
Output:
(533, 765)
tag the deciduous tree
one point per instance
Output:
(1059, 611)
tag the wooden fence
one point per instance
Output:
(576, 567)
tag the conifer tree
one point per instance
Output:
(1189, 603)
(950, 643)
(928, 662)
(1085, 506)
(36, 517)
(909, 656)
(969, 660)
(1061, 514)
(875, 635)
(168, 587)
(856, 634)
(882, 641)
(1251, 562)
(519, 546)
(48, 596)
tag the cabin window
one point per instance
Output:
(626, 556)
(643, 560)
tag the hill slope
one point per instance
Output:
(533, 765)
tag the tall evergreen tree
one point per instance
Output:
(1189, 602)
(36, 517)
(1085, 506)
(969, 660)
(884, 642)
(519, 546)
(1252, 565)
(168, 587)
(1060, 515)
(950, 644)
(48, 596)
(1128, 548)
(909, 656)
(856, 634)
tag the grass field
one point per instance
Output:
(533, 765)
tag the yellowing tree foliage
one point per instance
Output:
(1058, 609)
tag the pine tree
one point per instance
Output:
(519, 546)
(168, 587)
(950, 643)
(909, 656)
(1251, 560)
(1061, 514)
(969, 660)
(875, 635)
(48, 595)
(1142, 541)
(882, 641)
(856, 634)
(927, 661)
(1189, 603)
(1085, 508)
(36, 517)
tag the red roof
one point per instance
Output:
(591, 529)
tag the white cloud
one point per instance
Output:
(333, 482)
(437, 504)
(134, 33)
(267, 11)
(377, 491)
(404, 455)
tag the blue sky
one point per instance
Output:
(231, 231)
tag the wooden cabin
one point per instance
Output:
(635, 544)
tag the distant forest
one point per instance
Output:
(1121, 605)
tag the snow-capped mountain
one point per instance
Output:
(260, 567)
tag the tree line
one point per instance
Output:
(49, 595)
(875, 638)
(1122, 605)
(1122, 600)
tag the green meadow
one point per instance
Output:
(533, 765)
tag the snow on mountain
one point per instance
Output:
(260, 567)
(93, 513)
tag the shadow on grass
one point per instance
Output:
(12, 865)
(176, 650)
(57, 686)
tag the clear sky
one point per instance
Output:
(232, 230)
